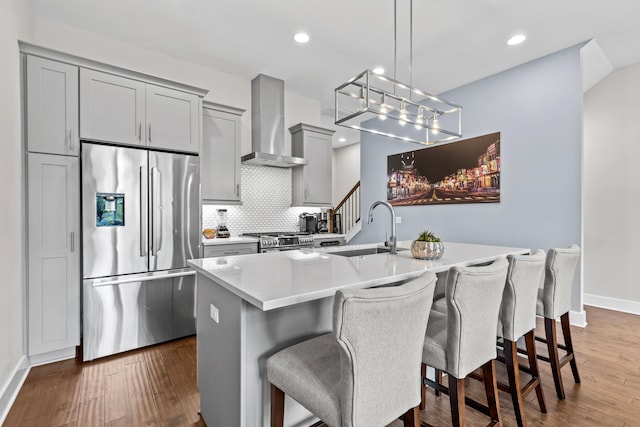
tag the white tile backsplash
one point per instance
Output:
(266, 203)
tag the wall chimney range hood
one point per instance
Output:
(267, 125)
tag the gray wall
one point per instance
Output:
(537, 107)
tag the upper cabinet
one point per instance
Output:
(311, 184)
(220, 154)
(172, 119)
(111, 108)
(52, 107)
(127, 111)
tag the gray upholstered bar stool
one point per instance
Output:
(464, 338)
(366, 373)
(518, 319)
(554, 300)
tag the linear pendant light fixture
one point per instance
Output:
(368, 99)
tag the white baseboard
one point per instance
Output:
(578, 318)
(52, 356)
(616, 304)
(10, 389)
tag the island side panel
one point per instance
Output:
(219, 354)
(267, 332)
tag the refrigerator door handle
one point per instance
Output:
(119, 280)
(156, 212)
(143, 214)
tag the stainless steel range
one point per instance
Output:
(282, 241)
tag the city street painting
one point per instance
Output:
(466, 171)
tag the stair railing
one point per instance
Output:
(349, 210)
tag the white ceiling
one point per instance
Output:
(454, 41)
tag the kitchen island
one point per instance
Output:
(251, 306)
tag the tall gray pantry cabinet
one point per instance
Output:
(53, 206)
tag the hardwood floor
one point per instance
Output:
(153, 386)
(156, 386)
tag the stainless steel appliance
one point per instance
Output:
(337, 223)
(222, 230)
(323, 222)
(282, 241)
(307, 222)
(140, 214)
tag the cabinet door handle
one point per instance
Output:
(306, 193)
(237, 189)
(70, 139)
(149, 132)
(232, 253)
(139, 131)
(73, 240)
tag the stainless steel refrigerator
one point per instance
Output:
(141, 222)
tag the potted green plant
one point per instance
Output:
(427, 246)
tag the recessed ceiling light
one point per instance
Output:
(342, 139)
(517, 39)
(301, 38)
(378, 70)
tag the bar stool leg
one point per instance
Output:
(277, 407)
(456, 400)
(411, 418)
(438, 380)
(529, 339)
(513, 371)
(423, 388)
(552, 345)
(491, 388)
(566, 331)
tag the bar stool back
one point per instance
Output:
(554, 300)
(367, 372)
(463, 339)
(518, 319)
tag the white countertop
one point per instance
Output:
(229, 240)
(279, 279)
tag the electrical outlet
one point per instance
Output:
(398, 220)
(214, 313)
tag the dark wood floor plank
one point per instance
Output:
(179, 372)
(169, 407)
(143, 407)
(191, 407)
(92, 384)
(67, 400)
(116, 397)
(91, 412)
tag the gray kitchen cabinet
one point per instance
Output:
(53, 289)
(311, 184)
(230, 249)
(172, 119)
(52, 107)
(111, 108)
(220, 154)
(127, 111)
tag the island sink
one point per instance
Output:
(365, 251)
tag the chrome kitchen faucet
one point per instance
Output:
(392, 239)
